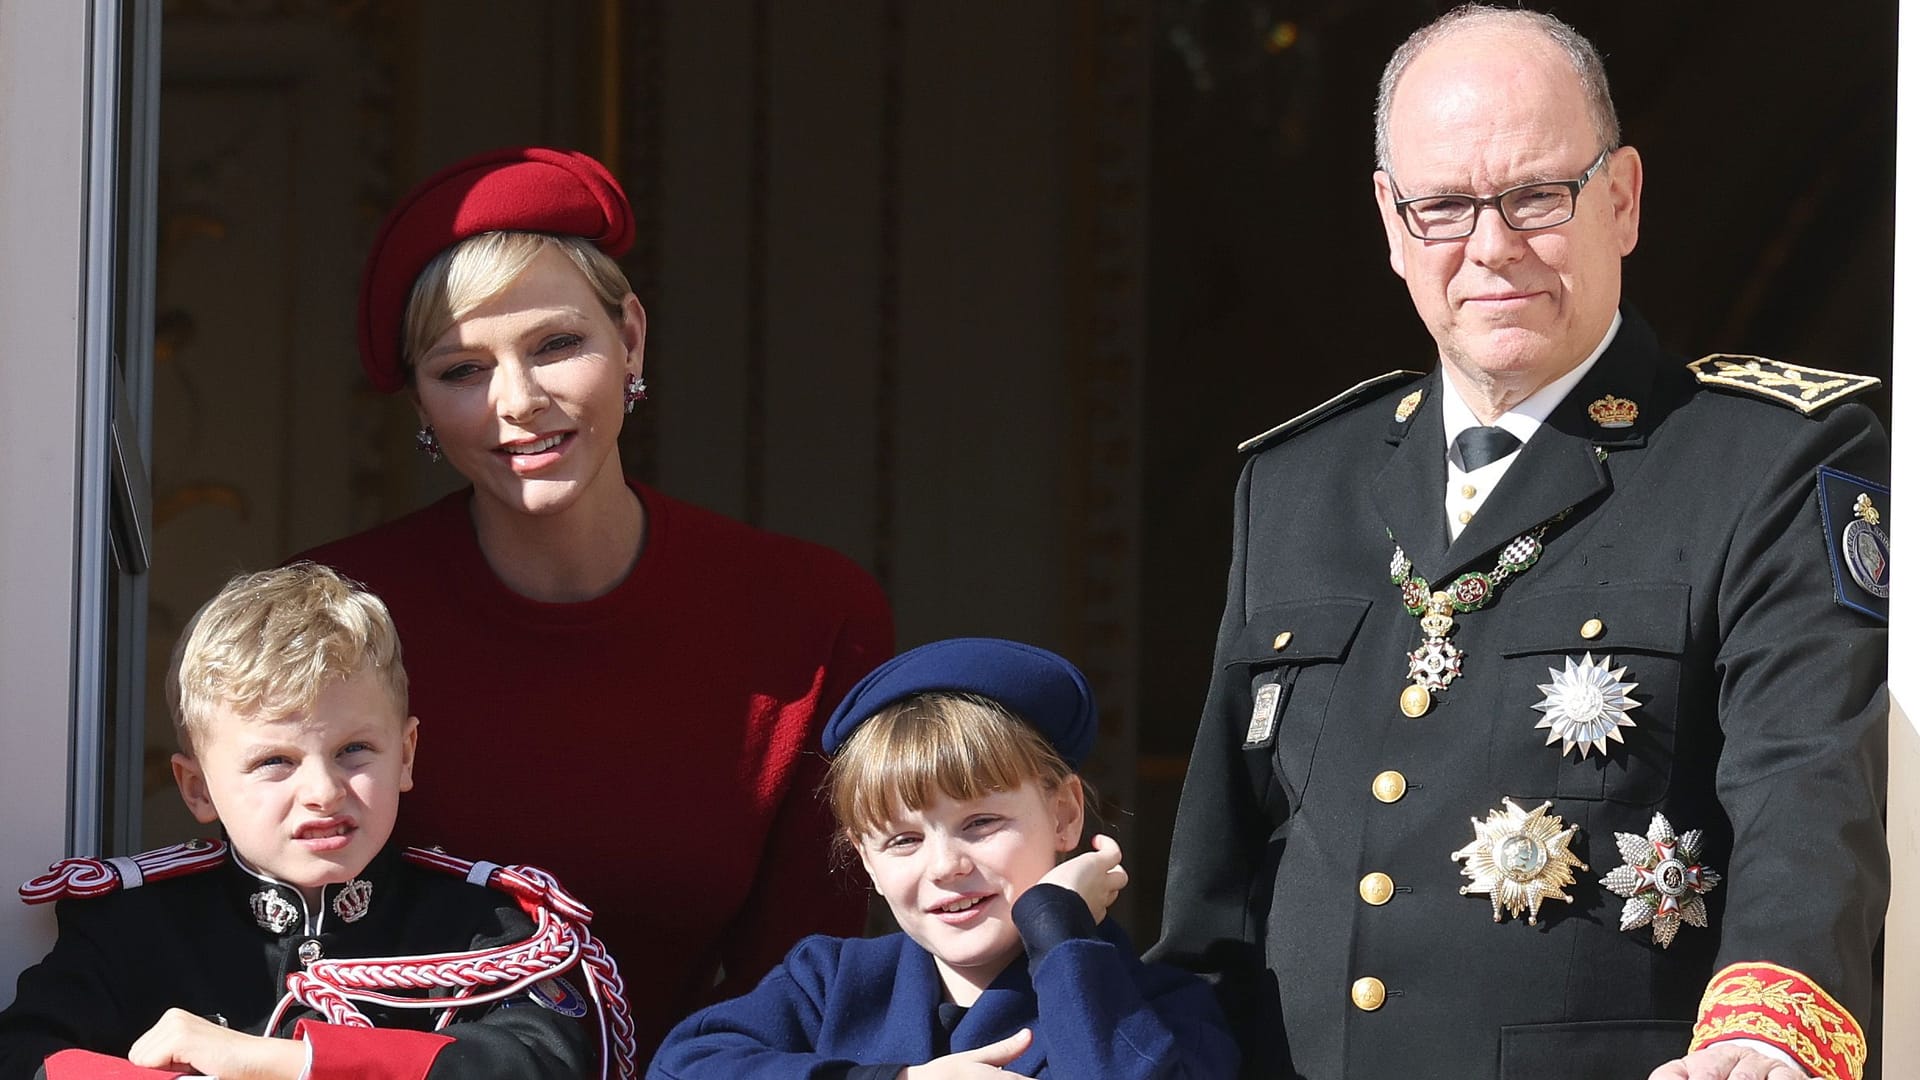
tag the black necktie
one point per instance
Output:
(1480, 446)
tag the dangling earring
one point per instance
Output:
(427, 442)
(636, 391)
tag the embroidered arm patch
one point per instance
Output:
(1854, 514)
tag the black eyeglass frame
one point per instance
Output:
(1574, 186)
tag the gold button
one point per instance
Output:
(1281, 639)
(1376, 888)
(1592, 628)
(1414, 701)
(1369, 993)
(1468, 491)
(1466, 516)
(1389, 786)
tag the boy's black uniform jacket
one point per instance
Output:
(193, 943)
(1695, 538)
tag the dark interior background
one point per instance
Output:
(1767, 129)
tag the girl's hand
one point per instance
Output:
(981, 1064)
(1096, 875)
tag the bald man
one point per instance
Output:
(1546, 729)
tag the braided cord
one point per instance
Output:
(559, 942)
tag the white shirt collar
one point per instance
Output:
(1525, 418)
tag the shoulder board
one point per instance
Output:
(81, 878)
(528, 884)
(1805, 388)
(1339, 403)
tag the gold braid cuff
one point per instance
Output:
(1783, 1008)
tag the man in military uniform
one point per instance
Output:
(1546, 728)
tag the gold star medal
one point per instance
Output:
(1518, 859)
(1585, 705)
(1663, 880)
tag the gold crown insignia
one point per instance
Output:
(1613, 412)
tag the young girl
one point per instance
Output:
(952, 780)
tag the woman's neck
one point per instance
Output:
(577, 554)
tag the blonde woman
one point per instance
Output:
(595, 663)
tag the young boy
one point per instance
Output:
(289, 703)
(953, 780)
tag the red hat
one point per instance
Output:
(520, 188)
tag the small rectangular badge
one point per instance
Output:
(1266, 706)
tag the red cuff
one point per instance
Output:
(1783, 1008)
(353, 1053)
(87, 1065)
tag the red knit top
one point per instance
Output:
(657, 748)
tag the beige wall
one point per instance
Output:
(43, 147)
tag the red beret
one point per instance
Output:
(520, 188)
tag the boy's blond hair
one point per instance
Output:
(914, 750)
(270, 641)
(477, 269)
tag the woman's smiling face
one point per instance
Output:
(527, 392)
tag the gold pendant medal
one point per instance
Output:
(1433, 666)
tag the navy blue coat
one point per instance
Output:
(836, 1004)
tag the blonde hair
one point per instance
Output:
(477, 269)
(270, 641)
(913, 751)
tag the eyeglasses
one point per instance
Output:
(1524, 208)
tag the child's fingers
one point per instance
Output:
(1106, 849)
(1002, 1052)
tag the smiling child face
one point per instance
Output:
(950, 873)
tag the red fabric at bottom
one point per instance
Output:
(347, 1053)
(87, 1065)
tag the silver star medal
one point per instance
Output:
(1662, 879)
(1585, 705)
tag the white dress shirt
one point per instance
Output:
(1467, 491)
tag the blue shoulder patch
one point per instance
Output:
(554, 995)
(1854, 513)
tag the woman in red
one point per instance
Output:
(617, 685)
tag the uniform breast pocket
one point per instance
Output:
(1289, 656)
(1599, 666)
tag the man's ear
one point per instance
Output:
(1390, 220)
(1069, 814)
(1625, 171)
(192, 781)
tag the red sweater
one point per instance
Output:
(657, 748)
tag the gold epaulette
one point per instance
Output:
(1805, 388)
(1344, 400)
